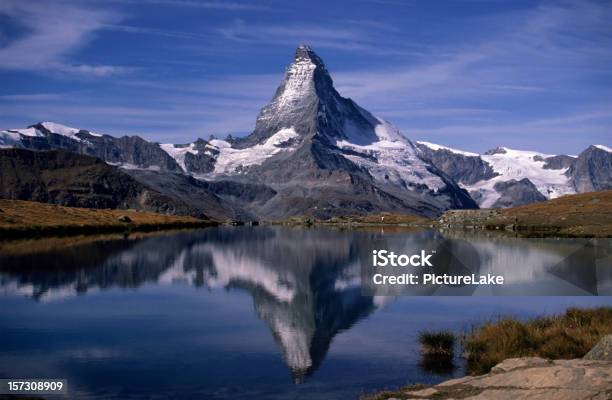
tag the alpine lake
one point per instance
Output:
(265, 312)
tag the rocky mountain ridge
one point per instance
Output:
(505, 177)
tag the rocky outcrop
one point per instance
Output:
(203, 159)
(516, 193)
(463, 168)
(602, 350)
(469, 218)
(592, 170)
(558, 162)
(531, 378)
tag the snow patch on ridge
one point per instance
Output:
(518, 164)
(604, 148)
(178, 153)
(12, 137)
(32, 132)
(61, 129)
(436, 147)
(230, 160)
(299, 82)
(64, 130)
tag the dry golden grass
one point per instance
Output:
(580, 215)
(575, 215)
(566, 336)
(26, 218)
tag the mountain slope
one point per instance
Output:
(69, 179)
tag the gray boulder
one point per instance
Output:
(602, 350)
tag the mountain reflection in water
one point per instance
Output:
(305, 283)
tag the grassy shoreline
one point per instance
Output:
(584, 215)
(25, 219)
(563, 336)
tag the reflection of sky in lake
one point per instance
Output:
(140, 327)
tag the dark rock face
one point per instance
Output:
(75, 180)
(497, 150)
(193, 192)
(592, 170)
(461, 168)
(204, 160)
(246, 198)
(556, 162)
(515, 193)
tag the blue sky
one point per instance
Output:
(471, 74)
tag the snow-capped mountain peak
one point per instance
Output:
(59, 128)
(297, 101)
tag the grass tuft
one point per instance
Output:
(565, 336)
(439, 342)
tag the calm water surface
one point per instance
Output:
(259, 313)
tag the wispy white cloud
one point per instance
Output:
(51, 35)
(349, 36)
(439, 112)
(373, 24)
(518, 88)
(220, 5)
(31, 96)
(175, 34)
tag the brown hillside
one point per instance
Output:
(585, 214)
(26, 218)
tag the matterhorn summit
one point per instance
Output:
(332, 154)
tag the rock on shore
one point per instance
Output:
(531, 378)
